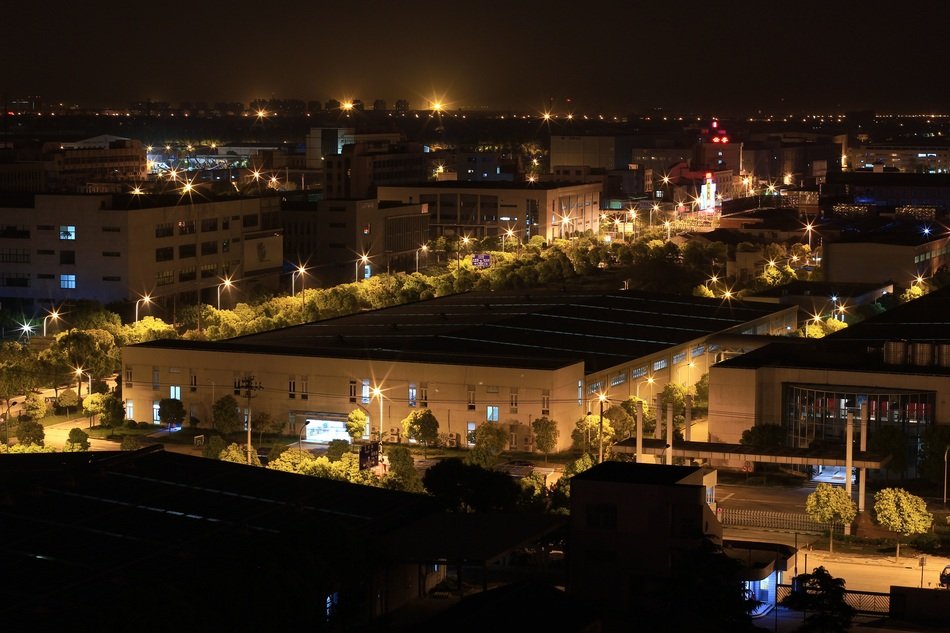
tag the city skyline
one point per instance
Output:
(524, 56)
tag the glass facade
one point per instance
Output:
(819, 413)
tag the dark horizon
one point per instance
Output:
(521, 56)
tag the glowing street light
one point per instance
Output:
(809, 227)
(458, 251)
(225, 283)
(54, 314)
(378, 394)
(301, 269)
(600, 435)
(668, 226)
(79, 374)
(362, 260)
(424, 249)
(145, 299)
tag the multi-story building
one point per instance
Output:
(102, 159)
(331, 237)
(482, 209)
(920, 157)
(120, 247)
(361, 167)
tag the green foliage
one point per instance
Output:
(623, 424)
(421, 426)
(213, 447)
(30, 431)
(147, 328)
(237, 453)
(764, 436)
(914, 292)
(34, 407)
(336, 449)
(649, 419)
(463, 487)
(293, 460)
(561, 493)
(402, 474)
(702, 392)
(822, 598)
(67, 399)
(890, 440)
(93, 404)
(78, 441)
(132, 443)
(17, 372)
(830, 504)
(226, 415)
(674, 394)
(19, 449)
(93, 350)
(490, 441)
(545, 435)
(936, 439)
(702, 290)
(356, 424)
(171, 411)
(586, 434)
(264, 422)
(901, 512)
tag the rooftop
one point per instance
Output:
(646, 474)
(529, 329)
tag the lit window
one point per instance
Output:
(67, 281)
(67, 232)
(129, 410)
(412, 395)
(492, 413)
(174, 392)
(365, 391)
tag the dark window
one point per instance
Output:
(110, 229)
(251, 220)
(111, 278)
(186, 227)
(164, 254)
(164, 230)
(209, 248)
(209, 224)
(67, 257)
(111, 254)
(187, 274)
(186, 250)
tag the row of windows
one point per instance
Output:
(187, 227)
(167, 253)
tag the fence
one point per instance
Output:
(863, 602)
(783, 521)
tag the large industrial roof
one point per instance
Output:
(860, 347)
(531, 330)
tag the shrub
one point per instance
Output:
(132, 424)
(145, 425)
(130, 443)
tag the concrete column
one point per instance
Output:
(863, 472)
(848, 459)
(658, 416)
(639, 432)
(669, 435)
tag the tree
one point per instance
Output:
(264, 422)
(225, 415)
(293, 460)
(356, 424)
(586, 434)
(545, 435)
(113, 411)
(131, 443)
(764, 436)
(171, 411)
(702, 392)
(402, 473)
(93, 405)
(936, 439)
(93, 350)
(462, 487)
(901, 512)
(674, 394)
(336, 449)
(490, 441)
(822, 598)
(213, 447)
(16, 378)
(78, 441)
(830, 504)
(67, 399)
(649, 419)
(34, 408)
(30, 432)
(561, 494)
(421, 426)
(237, 453)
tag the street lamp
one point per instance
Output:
(52, 315)
(458, 251)
(650, 380)
(600, 437)
(689, 375)
(424, 249)
(356, 269)
(809, 227)
(79, 374)
(226, 283)
(301, 269)
(668, 225)
(378, 394)
(146, 299)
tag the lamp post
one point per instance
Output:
(356, 270)
(225, 283)
(650, 380)
(79, 374)
(600, 436)
(458, 251)
(668, 225)
(52, 315)
(146, 299)
(689, 375)
(424, 249)
(301, 270)
(378, 394)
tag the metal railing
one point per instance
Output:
(863, 602)
(783, 521)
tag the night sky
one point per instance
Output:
(713, 57)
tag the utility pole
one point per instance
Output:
(249, 384)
